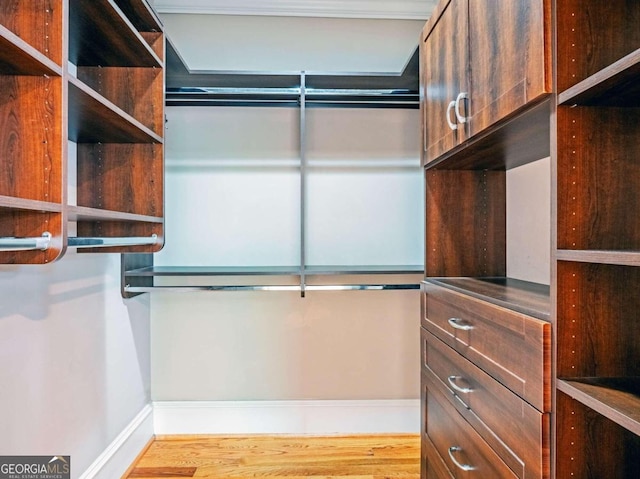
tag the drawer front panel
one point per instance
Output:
(433, 466)
(461, 448)
(512, 347)
(518, 432)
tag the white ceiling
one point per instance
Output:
(384, 9)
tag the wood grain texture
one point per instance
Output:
(522, 296)
(598, 327)
(515, 430)
(121, 177)
(37, 22)
(31, 146)
(446, 429)
(513, 348)
(598, 178)
(465, 223)
(445, 64)
(509, 59)
(94, 119)
(290, 457)
(592, 447)
(594, 34)
(618, 399)
(137, 91)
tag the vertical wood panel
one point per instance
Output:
(38, 22)
(598, 178)
(594, 35)
(598, 326)
(465, 223)
(509, 57)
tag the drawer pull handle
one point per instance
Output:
(452, 382)
(450, 109)
(459, 324)
(464, 467)
(460, 99)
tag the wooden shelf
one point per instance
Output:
(614, 85)
(101, 35)
(17, 57)
(622, 258)
(83, 213)
(524, 297)
(29, 205)
(520, 139)
(94, 119)
(143, 18)
(618, 399)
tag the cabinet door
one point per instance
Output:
(445, 55)
(509, 57)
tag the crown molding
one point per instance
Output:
(379, 9)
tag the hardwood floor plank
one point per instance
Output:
(282, 456)
(164, 472)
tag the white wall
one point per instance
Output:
(232, 198)
(74, 358)
(227, 42)
(529, 222)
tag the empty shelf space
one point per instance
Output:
(94, 119)
(614, 85)
(17, 57)
(524, 297)
(618, 399)
(82, 213)
(102, 35)
(622, 258)
(29, 205)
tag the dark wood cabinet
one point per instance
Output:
(486, 337)
(91, 72)
(483, 62)
(445, 62)
(586, 323)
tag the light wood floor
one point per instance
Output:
(289, 457)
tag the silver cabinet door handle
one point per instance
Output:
(457, 323)
(460, 98)
(464, 467)
(452, 382)
(451, 106)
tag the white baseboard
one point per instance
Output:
(120, 454)
(286, 417)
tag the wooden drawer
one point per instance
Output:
(432, 465)
(516, 431)
(457, 443)
(512, 347)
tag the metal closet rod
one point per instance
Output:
(26, 244)
(106, 242)
(294, 288)
(42, 242)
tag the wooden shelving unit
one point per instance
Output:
(117, 118)
(598, 240)
(477, 126)
(32, 134)
(86, 72)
